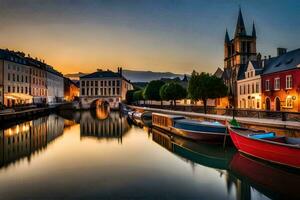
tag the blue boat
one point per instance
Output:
(191, 129)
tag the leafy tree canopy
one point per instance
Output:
(151, 91)
(172, 91)
(138, 95)
(204, 86)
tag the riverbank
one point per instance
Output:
(274, 123)
(24, 114)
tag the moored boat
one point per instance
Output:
(267, 146)
(146, 118)
(188, 128)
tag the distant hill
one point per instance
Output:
(136, 76)
(147, 76)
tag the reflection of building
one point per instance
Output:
(113, 127)
(71, 90)
(22, 140)
(107, 85)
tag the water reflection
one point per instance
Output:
(23, 140)
(102, 124)
(273, 181)
(209, 155)
(149, 164)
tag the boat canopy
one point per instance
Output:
(169, 116)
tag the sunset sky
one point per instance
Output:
(166, 35)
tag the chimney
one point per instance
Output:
(281, 51)
(120, 71)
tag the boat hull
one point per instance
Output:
(199, 136)
(269, 151)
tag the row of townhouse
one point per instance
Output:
(271, 84)
(24, 80)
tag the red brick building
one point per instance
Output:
(281, 82)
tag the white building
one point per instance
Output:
(14, 79)
(249, 87)
(24, 80)
(55, 86)
(106, 85)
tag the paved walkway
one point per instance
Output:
(244, 120)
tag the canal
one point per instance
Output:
(101, 155)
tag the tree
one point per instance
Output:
(151, 91)
(138, 95)
(205, 86)
(172, 91)
(129, 96)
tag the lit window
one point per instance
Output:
(289, 82)
(289, 102)
(277, 83)
(267, 85)
(257, 87)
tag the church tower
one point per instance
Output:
(237, 52)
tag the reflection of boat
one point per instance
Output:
(208, 155)
(274, 182)
(192, 129)
(267, 146)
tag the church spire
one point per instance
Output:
(227, 40)
(253, 30)
(240, 26)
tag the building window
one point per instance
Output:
(289, 102)
(248, 89)
(267, 85)
(83, 83)
(96, 90)
(109, 91)
(104, 83)
(92, 83)
(96, 83)
(257, 87)
(114, 91)
(251, 73)
(101, 90)
(82, 91)
(289, 82)
(109, 83)
(104, 90)
(257, 103)
(8, 88)
(87, 84)
(252, 88)
(277, 84)
(240, 89)
(118, 82)
(101, 83)
(113, 83)
(14, 77)
(8, 76)
(118, 91)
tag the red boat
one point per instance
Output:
(267, 146)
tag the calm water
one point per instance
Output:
(100, 155)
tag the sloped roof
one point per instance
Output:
(219, 73)
(102, 74)
(241, 72)
(287, 61)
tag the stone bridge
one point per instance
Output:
(96, 101)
